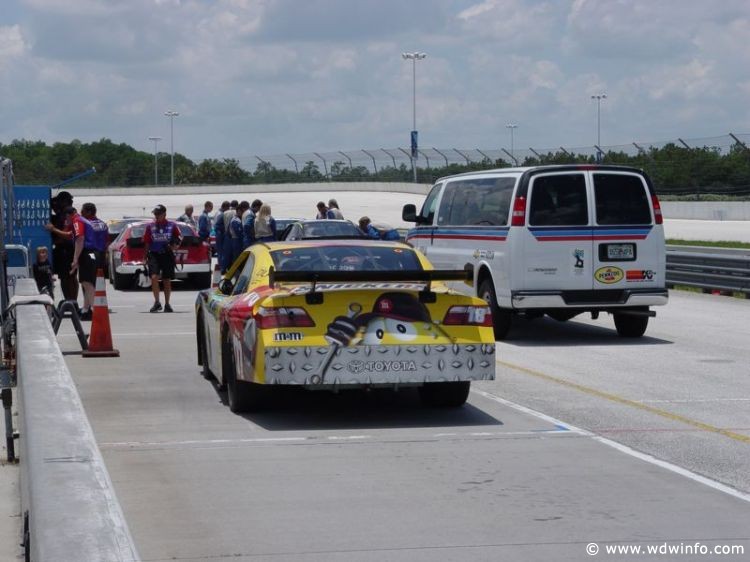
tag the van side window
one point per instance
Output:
(559, 200)
(477, 202)
(621, 199)
(428, 208)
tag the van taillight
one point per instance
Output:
(283, 317)
(468, 316)
(658, 219)
(519, 212)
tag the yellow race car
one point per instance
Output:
(342, 314)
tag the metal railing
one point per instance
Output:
(709, 268)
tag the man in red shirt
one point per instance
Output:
(161, 238)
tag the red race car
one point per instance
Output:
(126, 257)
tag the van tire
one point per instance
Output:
(630, 326)
(501, 317)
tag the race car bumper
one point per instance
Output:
(388, 365)
(181, 271)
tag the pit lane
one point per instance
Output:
(534, 467)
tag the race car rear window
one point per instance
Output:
(621, 199)
(346, 258)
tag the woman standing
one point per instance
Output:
(265, 225)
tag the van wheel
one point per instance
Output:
(630, 326)
(444, 394)
(501, 317)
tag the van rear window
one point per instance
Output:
(558, 200)
(484, 202)
(621, 199)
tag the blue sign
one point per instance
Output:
(414, 144)
(31, 211)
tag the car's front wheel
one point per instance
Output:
(445, 394)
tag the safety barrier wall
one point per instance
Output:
(721, 269)
(73, 513)
(697, 210)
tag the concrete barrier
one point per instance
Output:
(695, 210)
(66, 493)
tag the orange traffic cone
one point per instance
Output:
(216, 276)
(100, 340)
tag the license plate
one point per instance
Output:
(620, 251)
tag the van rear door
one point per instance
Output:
(557, 241)
(628, 244)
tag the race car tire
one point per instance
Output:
(202, 353)
(123, 281)
(630, 326)
(200, 280)
(242, 396)
(444, 394)
(501, 317)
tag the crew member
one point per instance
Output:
(61, 228)
(248, 223)
(204, 221)
(187, 217)
(219, 230)
(161, 238)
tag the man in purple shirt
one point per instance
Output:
(160, 239)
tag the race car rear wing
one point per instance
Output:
(422, 276)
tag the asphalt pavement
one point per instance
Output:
(553, 456)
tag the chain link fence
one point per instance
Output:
(710, 165)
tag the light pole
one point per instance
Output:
(599, 98)
(171, 114)
(512, 126)
(414, 57)
(156, 167)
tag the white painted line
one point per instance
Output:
(693, 400)
(201, 442)
(622, 448)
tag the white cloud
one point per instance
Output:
(11, 42)
(275, 76)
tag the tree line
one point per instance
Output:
(675, 170)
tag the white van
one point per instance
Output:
(555, 240)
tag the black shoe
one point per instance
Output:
(86, 315)
(156, 307)
(168, 308)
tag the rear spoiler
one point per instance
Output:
(423, 276)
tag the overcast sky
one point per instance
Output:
(275, 76)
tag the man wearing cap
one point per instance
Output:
(160, 240)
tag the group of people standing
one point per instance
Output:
(79, 246)
(237, 225)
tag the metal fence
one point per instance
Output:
(379, 160)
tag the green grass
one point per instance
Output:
(709, 244)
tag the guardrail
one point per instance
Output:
(70, 509)
(706, 268)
